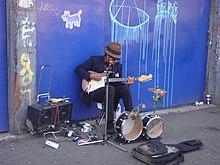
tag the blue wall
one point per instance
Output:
(3, 70)
(165, 38)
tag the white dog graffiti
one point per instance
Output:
(71, 20)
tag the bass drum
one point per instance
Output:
(153, 126)
(127, 128)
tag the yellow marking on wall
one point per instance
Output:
(26, 72)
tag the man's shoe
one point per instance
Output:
(110, 131)
(110, 128)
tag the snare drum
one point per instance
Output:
(127, 128)
(153, 126)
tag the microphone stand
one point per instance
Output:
(105, 137)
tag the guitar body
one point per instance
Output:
(92, 85)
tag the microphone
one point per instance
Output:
(110, 63)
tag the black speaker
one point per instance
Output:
(40, 117)
(47, 115)
(65, 112)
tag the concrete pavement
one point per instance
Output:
(182, 123)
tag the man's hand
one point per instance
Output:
(130, 80)
(95, 76)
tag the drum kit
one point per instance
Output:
(149, 125)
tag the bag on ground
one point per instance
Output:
(154, 152)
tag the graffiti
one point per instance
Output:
(27, 29)
(126, 32)
(50, 8)
(71, 20)
(123, 13)
(25, 4)
(164, 43)
(26, 72)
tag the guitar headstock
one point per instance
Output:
(145, 78)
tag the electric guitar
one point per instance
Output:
(92, 85)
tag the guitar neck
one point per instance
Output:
(120, 79)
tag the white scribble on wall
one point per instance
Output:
(71, 20)
(27, 29)
(164, 46)
(25, 4)
(50, 8)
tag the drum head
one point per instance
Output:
(132, 129)
(127, 128)
(154, 127)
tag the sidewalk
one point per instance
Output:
(183, 123)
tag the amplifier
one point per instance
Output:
(65, 111)
(40, 117)
(44, 116)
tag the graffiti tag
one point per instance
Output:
(50, 8)
(27, 29)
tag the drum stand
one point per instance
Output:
(105, 137)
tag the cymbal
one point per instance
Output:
(156, 90)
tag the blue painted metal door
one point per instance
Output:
(3, 69)
(167, 38)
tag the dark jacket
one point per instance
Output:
(96, 64)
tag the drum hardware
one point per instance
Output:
(157, 90)
(158, 96)
(117, 127)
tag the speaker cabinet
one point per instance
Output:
(40, 117)
(65, 111)
(44, 116)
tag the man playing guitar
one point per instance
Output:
(92, 69)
